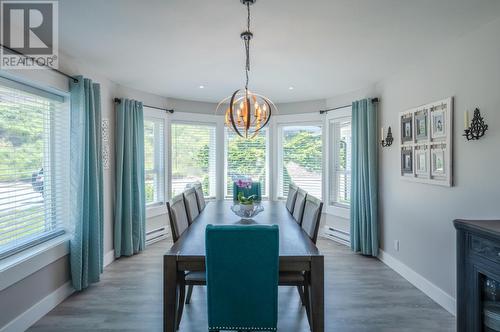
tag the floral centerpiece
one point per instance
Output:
(245, 184)
(246, 206)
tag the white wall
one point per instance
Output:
(418, 215)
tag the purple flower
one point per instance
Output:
(244, 183)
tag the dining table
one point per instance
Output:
(297, 253)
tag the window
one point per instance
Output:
(34, 165)
(154, 160)
(246, 157)
(300, 159)
(193, 157)
(340, 170)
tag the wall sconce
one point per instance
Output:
(477, 127)
(387, 141)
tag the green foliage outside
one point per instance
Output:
(21, 142)
(303, 148)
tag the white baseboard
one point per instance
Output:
(431, 290)
(109, 257)
(38, 310)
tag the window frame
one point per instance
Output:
(267, 188)
(215, 121)
(31, 245)
(336, 209)
(302, 119)
(159, 207)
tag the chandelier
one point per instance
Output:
(248, 112)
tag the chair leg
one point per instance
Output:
(301, 294)
(188, 296)
(307, 298)
(182, 294)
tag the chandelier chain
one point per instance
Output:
(247, 48)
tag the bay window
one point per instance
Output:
(246, 158)
(340, 162)
(193, 157)
(34, 165)
(154, 158)
(300, 159)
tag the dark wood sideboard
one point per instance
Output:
(478, 275)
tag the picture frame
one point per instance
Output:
(421, 120)
(438, 162)
(430, 146)
(421, 161)
(438, 123)
(407, 161)
(406, 128)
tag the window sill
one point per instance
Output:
(339, 211)
(21, 265)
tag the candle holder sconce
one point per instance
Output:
(388, 140)
(477, 128)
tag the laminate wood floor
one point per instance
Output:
(361, 294)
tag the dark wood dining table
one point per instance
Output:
(297, 253)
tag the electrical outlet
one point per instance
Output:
(396, 245)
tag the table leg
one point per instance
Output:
(317, 294)
(169, 293)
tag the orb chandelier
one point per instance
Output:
(248, 112)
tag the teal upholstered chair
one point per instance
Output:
(255, 190)
(242, 266)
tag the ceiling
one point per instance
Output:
(320, 47)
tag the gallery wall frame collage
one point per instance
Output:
(426, 143)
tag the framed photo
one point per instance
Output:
(406, 161)
(421, 125)
(406, 129)
(426, 143)
(421, 162)
(438, 123)
(438, 162)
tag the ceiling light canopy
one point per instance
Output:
(248, 112)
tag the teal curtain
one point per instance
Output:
(130, 203)
(86, 202)
(364, 183)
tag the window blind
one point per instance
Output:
(245, 158)
(340, 190)
(154, 161)
(34, 166)
(301, 159)
(193, 157)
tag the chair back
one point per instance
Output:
(242, 266)
(200, 196)
(191, 204)
(178, 216)
(298, 208)
(292, 196)
(254, 190)
(312, 217)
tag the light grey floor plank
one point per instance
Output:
(361, 294)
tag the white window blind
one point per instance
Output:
(193, 157)
(245, 158)
(34, 166)
(340, 184)
(301, 160)
(154, 160)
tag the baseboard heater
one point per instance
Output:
(337, 235)
(156, 235)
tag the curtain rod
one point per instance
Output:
(374, 100)
(41, 65)
(118, 100)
